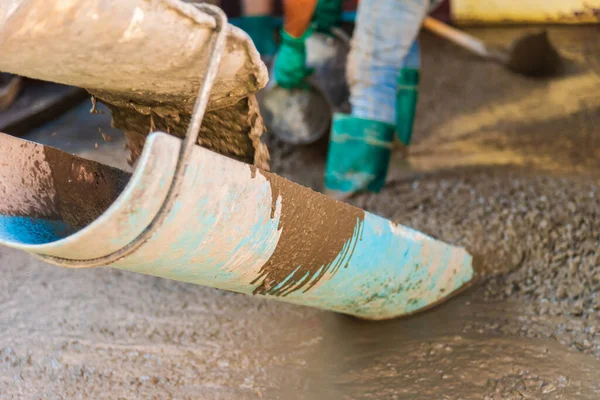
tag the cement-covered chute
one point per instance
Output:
(193, 215)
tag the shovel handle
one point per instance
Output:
(457, 37)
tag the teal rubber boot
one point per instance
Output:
(406, 103)
(260, 28)
(358, 156)
(327, 15)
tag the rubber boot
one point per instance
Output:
(358, 156)
(261, 30)
(406, 103)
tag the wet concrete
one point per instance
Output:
(506, 166)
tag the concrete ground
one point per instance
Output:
(504, 165)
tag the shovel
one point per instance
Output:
(193, 215)
(531, 55)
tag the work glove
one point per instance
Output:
(290, 64)
(328, 14)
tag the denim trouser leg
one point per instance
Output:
(384, 42)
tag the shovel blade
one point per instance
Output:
(534, 55)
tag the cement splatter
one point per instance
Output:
(84, 189)
(314, 232)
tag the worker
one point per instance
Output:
(382, 72)
(257, 21)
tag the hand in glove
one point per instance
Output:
(290, 64)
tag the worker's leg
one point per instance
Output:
(360, 144)
(257, 7)
(407, 93)
(257, 22)
(385, 31)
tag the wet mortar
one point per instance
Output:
(503, 165)
(313, 234)
(83, 190)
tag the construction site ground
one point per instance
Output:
(507, 166)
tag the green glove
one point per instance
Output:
(328, 14)
(290, 64)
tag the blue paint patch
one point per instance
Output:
(32, 231)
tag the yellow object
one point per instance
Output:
(525, 11)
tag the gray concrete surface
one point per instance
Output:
(501, 164)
